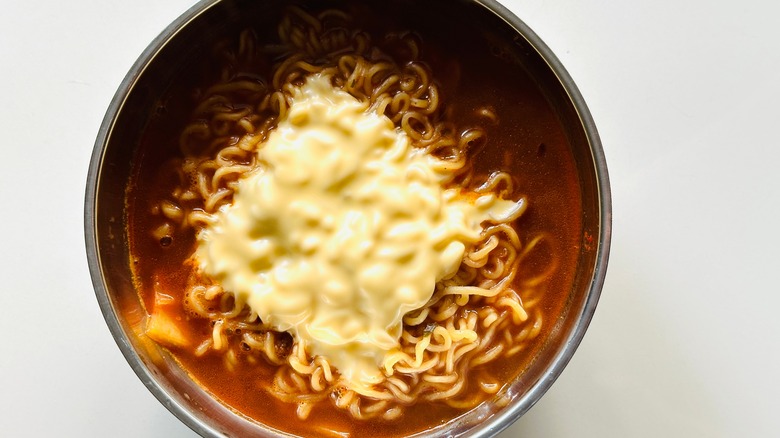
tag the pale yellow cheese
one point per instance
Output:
(342, 230)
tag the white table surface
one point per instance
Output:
(685, 340)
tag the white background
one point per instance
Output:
(685, 340)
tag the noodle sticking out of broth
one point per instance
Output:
(472, 307)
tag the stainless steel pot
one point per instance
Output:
(107, 247)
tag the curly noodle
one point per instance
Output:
(488, 310)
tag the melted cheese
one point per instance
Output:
(342, 230)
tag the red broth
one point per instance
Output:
(529, 141)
